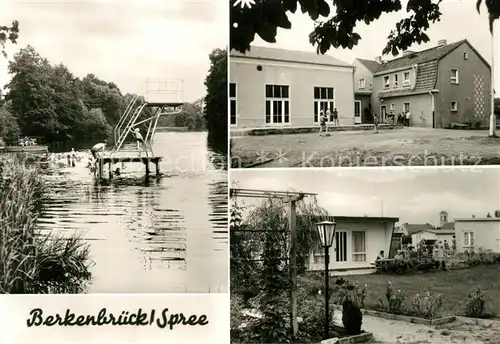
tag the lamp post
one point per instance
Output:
(326, 231)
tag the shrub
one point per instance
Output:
(394, 300)
(475, 304)
(29, 262)
(427, 306)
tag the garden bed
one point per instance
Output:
(344, 338)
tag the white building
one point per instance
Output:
(475, 232)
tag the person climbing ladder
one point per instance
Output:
(140, 141)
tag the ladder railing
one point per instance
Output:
(128, 127)
(128, 110)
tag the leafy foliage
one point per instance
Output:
(475, 305)
(9, 128)
(216, 100)
(338, 30)
(191, 117)
(9, 33)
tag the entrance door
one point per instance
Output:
(357, 112)
(383, 113)
(341, 246)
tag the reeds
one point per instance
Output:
(31, 262)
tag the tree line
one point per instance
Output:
(50, 103)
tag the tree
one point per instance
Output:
(9, 128)
(216, 99)
(338, 30)
(9, 33)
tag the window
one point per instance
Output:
(324, 98)
(277, 104)
(453, 106)
(454, 76)
(232, 103)
(468, 239)
(392, 107)
(386, 81)
(358, 246)
(406, 78)
(395, 80)
(466, 55)
(406, 107)
(341, 246)
(362, 83)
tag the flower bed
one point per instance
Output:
(341, 337)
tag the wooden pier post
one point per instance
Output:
(157, 165)
(110, 170)
(101, 167)
(146, 162)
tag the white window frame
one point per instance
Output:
(283, 102)
(392, 107)
(454, 79)
(231, 101)
(454, 108)
(466, 55)
(323, 103)
(362, 83)
(354, 254)
(409, 107)
(467, 235)
(387, 81)
(396, 81)
(406, 81)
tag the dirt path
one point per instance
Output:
(400, 332)
(401, 147)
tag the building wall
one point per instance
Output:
(301, 79)
(473, 92)
(361, 72)
(416, 238)
(377, 237)
(420, 108)
(486, 234)
(378, 84)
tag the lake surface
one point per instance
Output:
(164, 235)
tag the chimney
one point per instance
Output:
(378, 59)
(441, 42)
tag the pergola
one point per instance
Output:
(290, 197)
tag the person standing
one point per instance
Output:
(140, 141)
(97, 149)
(322, 122)
(375, 123)
(335, 117)
(408, 116)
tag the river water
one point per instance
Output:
(164, 235)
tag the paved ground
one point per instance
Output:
(400, 332)
(398, 147)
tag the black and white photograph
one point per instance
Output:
(364, 83)
(365, 256)
(113, 147)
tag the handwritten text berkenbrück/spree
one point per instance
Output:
(126, 318)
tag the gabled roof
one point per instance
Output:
(274, 54)
(372, 65)
(448, 225)
(413, 228)
(427, 55)
(436, 231)
(358, 218)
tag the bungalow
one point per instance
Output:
(441, 87)
(475, 232)
(408, 228)
(442, 235)
(357, 243)
(276, 88)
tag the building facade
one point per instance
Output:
(474, 233)
(441, 235)
(363, 86)
(281, 88)
(357, 243)
(442, 87)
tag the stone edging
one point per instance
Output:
(360, 338)
(476, 321)
(414, 320)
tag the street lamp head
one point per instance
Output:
(326, 230)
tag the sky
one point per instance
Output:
(459, 20)
(125, 41)
(414, 195)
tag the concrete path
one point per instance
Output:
(400, 332)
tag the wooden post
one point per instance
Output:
(101, 166)
(110, 170)
(157, 165)
(293, 266)
(146, 162)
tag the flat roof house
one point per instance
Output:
(443, 235)
(478, 232)
(358, 241)
(442, 87)
(272, 87)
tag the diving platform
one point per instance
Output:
(139, 121)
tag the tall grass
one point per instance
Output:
(32, 263)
